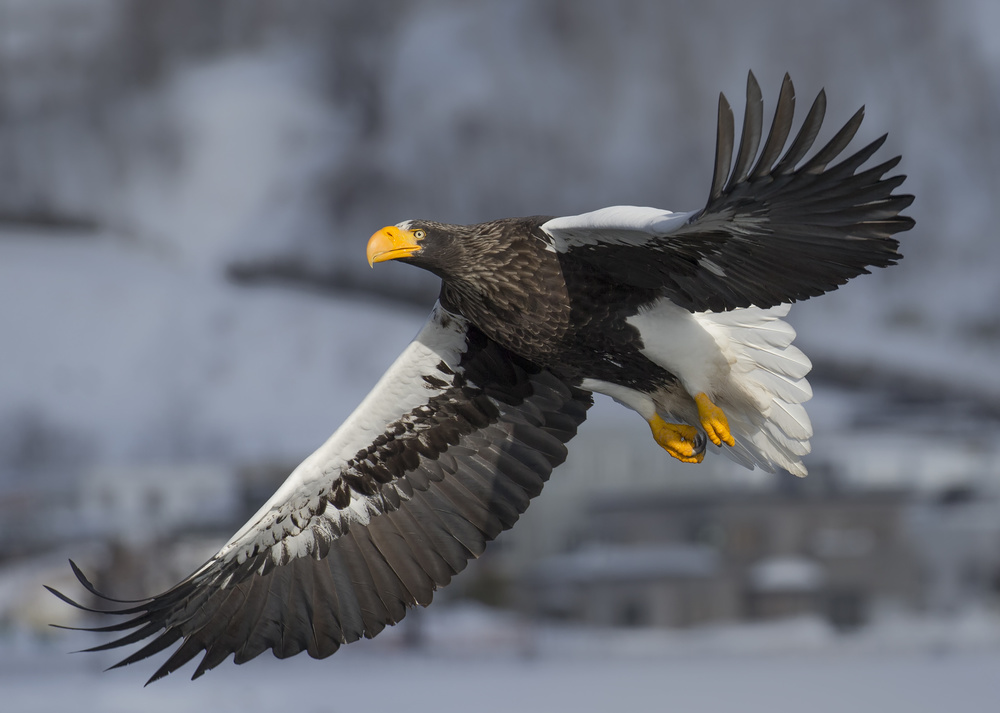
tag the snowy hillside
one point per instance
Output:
(129, 356)
(201, 142)
(230, 137)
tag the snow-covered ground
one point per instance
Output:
(480, 662)
(915, 683)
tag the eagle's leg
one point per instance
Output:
(683, 442)
(714, 421)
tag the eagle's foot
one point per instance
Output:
(714, 421)
(685, 443)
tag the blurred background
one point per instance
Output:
(186, 190)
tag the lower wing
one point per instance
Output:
(443, 455)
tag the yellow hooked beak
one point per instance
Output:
(391, 243)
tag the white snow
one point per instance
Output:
(148, 360)
(478, 661)
(904, 342)
(251, 135)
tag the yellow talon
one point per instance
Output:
(683, 442)
(714, 421)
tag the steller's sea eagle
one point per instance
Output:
(678, 316)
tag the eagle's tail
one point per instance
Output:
(767, 387)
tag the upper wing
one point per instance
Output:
(774, 230)
(442, 456)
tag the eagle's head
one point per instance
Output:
(452, 252)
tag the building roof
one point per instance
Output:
(629, 562)
(786, 574)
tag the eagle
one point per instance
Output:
(675, 315)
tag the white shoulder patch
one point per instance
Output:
(615, 225)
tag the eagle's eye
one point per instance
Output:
(419, 234)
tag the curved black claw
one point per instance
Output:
(700, 442)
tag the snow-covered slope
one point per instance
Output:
(138, 357)
(294, 144)
(295, 139)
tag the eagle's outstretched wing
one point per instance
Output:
(443, 455)
(775, 229)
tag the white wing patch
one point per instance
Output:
(616, 225)
(401, 389)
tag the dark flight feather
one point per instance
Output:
(459, 493)
(771, 234)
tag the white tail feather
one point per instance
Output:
(767, 387)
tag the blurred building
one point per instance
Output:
(621, 537)
(140, 504)
(680, 557)
(677, 560)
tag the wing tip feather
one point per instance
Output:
(199, 612)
